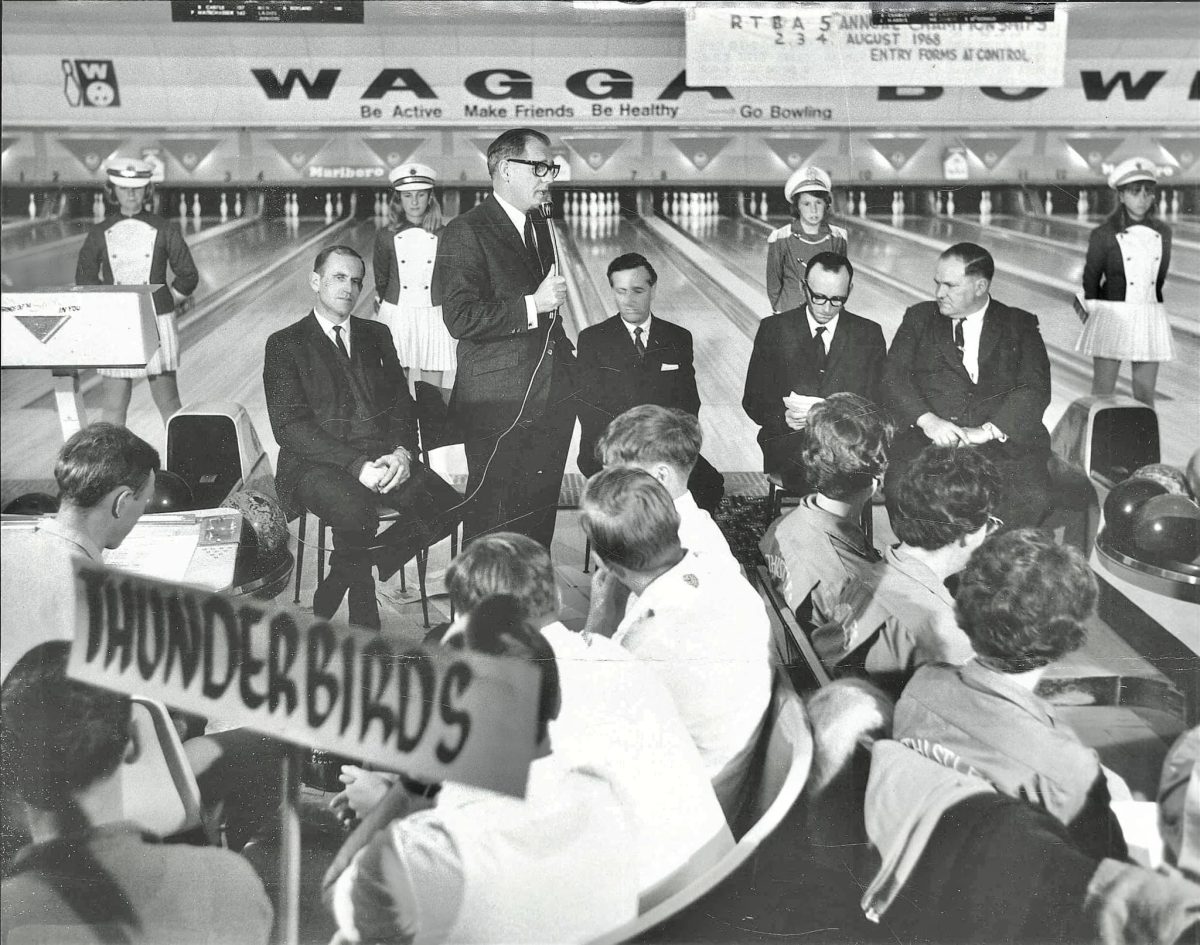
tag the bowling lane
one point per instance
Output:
(722, 351)
(1073, 240)
(44, 231)
(221, 353)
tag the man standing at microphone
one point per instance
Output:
(497, 280)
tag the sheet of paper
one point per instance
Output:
(155, 552)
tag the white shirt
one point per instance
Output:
(327, 327)
(829, 326)
(706, 633)
(518, 220)
(972, 324)
(644, 326)
(618, 716)
(699, 533)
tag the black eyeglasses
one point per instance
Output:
(818, 299)
(540, 168)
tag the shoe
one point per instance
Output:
(329, 595)
(364, 611)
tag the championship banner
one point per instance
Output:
(843, 45)
(435, 713)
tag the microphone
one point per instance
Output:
(547, 208)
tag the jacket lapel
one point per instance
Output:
(993, 327)
(323, 346)
(943, 329)
(507, 231)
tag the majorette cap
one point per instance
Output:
(129, 172)
(412, 177)
(1131, 171)
(807, 180)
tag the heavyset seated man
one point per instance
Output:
(477, 866)
(699, 624)
(89, 875)
(665, 442)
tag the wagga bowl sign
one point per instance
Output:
(432, 712)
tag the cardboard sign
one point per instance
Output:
(432, 712)
(843, 45)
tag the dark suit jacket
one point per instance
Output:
(924, 372)
(612, 379)
(311, 400)
(480, 279)
(783, 361)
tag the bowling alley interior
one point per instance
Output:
(1061, 138)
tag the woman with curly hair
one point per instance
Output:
(1022, 601)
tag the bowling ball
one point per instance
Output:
(265, 517)
(1122, 503)
(1171, 478)
(32, 503)
(171, 493)
(1193, 475)
(1167, 528)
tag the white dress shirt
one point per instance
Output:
(644, 326)
(327, 327)
(699, 533)
(829, 326)
(518, 220)
(972, 324)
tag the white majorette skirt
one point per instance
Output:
(422, 341)
(165, 359)
(1127, 331)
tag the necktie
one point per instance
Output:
(959, 341)
(819, 350)
(637, 343)
(337, 340)
(530, 236)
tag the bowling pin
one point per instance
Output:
(224, 207)
(950, 204)
(182, 207)
(353, 203)
(1049, 204)
(328, 207)
(1081, 208)
(1176, 202)
(340, 205)
(62, 205)
(32, 207)
(862, 203)
(237, 205)
(753, 204)
(895, 203)
(196, 205)
(762, 204)
(902, 207)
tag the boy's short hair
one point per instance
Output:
(503, 563)
(629, 518)
(948, 492)
(649, 434)
(98, 459)
(846, 445)
(59, 735)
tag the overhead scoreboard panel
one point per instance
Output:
(347, 12)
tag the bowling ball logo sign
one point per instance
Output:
(793, 160)
(90, 83)
(595, 160)
(190, 159)
(700, 158)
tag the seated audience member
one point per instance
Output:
(616, 714)
(665, 442)
(477, 866)
(697, 622)
(961, 862)
(1021, 601)
(105, 476)
(813, 549)
(88, 876)
(943, 513)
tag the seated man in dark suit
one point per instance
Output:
(347, 431)
(814, 351)
(968, 369)
(637, 358)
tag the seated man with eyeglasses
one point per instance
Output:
(898, 615)
(803, 355)
(500, 286)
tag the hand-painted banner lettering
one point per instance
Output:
(433, 713)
